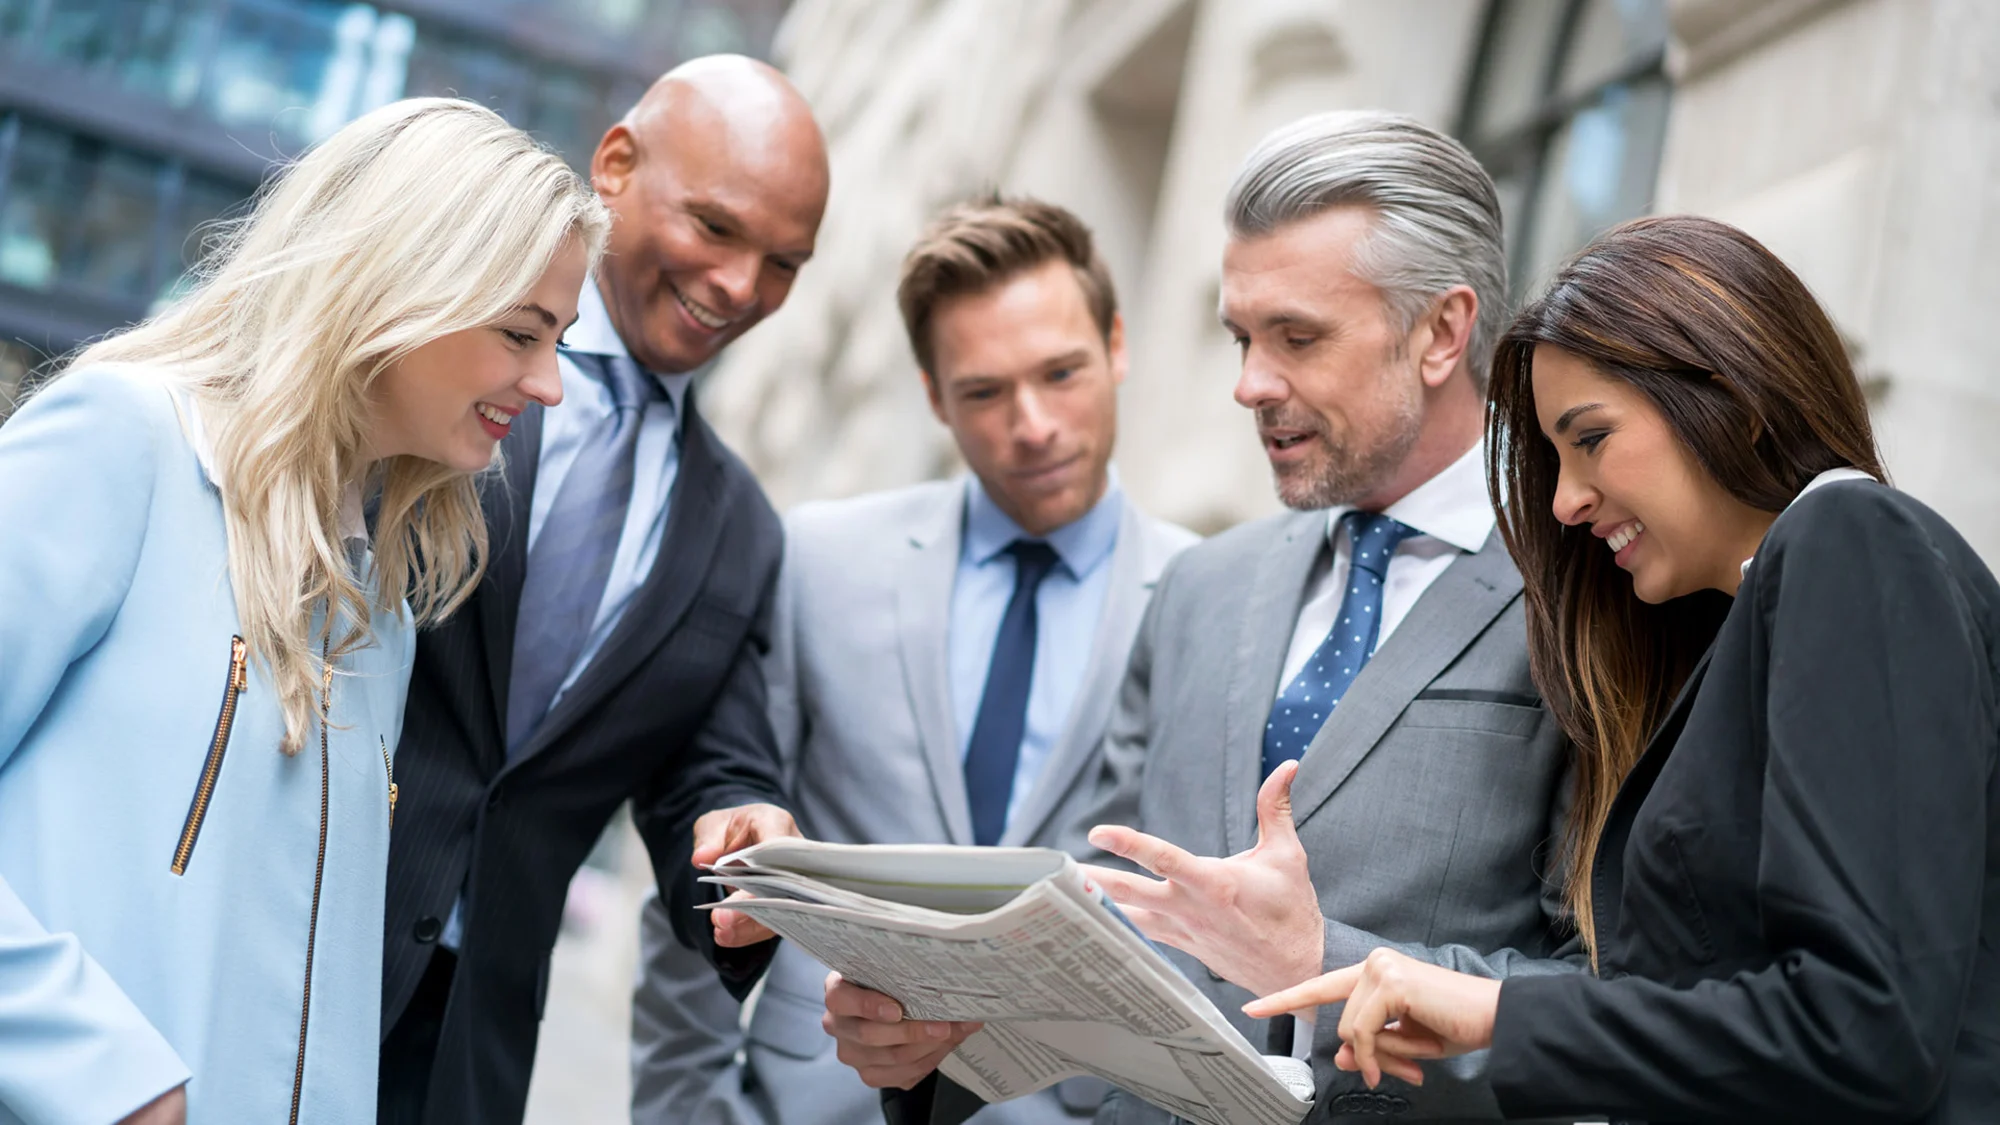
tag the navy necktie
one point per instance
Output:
(571, 559)
(995, 750)
(1308, 701)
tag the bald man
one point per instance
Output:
(612, 651)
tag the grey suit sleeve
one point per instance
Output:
(1122, 765)
(781, 669)
(1459, 1087)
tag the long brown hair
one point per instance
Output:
(1751, 377)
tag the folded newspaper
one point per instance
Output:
(1016, 939)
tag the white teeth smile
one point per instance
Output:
(1618, 540)
(1288, 442)
(493, 414)
(701, 315)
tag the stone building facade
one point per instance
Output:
(1859, 138)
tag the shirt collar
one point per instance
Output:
(353, 524)
(1452, 506)
(1825, 478)
(1082, 544)
(594, 334)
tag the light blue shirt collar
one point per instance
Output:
(594, 334)
(1082, 544)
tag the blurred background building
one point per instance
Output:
(1860, 139)
(126, 124)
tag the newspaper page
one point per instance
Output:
(1014, 938)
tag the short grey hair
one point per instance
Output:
(1437, 216)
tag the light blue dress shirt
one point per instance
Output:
(656, 461)
(1067, 608)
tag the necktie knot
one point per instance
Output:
(1374, 538)
(631, 387)
(1033, 560)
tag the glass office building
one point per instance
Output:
(127, 124)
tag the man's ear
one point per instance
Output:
(1444, 333)
(616, 158)
(1114, 347)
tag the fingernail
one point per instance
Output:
(885, 1012)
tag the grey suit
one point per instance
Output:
(1426, 804)
(861, 702)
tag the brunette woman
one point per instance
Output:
(1782, 680)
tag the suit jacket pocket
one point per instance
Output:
(1698, 935)
(1488, 716)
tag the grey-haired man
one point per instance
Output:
(1374, 635)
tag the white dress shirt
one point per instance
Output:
(1451, 514)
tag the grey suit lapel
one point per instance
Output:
(923, 609)
(1133, 573)
(1448, 617)
(1270, 614)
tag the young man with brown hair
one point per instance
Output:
(944, 656)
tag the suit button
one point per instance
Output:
(428, 929)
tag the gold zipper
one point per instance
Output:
(225, 721)
(389, 768)
(319, 876)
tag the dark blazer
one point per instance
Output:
(1797, 894)
(670, 714)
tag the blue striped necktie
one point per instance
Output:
(571, 559)
(1308, 701)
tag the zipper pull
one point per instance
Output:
(390, 768)
(239, 675)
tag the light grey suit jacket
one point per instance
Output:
(1428, 804)
(860, 698)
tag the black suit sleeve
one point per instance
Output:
(1877, 728)
(732, 761)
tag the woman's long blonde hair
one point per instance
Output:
(426, 217)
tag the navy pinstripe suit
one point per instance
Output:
(670, 713)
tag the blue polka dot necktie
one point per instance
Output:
(1308, 701)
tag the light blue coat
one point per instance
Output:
(120, 978)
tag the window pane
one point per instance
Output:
(80, 31)
(455, 68)
(31, 221)
(189, 237)
(161, 55)
(1516, 62)
(1610, 36)
(1601, 172)
(15, 15)
(110, 247)
(570, 114)
(272, 64)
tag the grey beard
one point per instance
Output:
(1349, 472)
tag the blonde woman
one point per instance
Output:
(204, 652)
